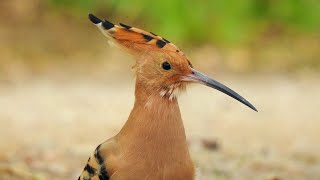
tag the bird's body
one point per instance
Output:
(152, 144)
(151, 138)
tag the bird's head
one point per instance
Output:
(161, 68)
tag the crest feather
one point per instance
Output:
(133, 38)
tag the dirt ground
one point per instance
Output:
(46, 126)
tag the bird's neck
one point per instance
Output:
(154, 124)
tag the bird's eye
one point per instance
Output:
(166, 66)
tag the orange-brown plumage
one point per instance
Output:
(152, 144)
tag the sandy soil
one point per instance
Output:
(47, 127)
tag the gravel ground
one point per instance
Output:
(46, 127)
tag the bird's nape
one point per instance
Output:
(198, 77)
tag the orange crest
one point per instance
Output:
(134, 38)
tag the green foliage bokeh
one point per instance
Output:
(230, 21)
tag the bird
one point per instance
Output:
(152, 144)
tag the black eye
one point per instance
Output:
(166, 66)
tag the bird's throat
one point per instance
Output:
(154, 125)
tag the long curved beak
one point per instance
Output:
(198, 77)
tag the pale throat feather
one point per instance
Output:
(172, 91)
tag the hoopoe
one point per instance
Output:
(152, 144)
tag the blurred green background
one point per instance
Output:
(245, 36)
(64, 90)
(229, 22)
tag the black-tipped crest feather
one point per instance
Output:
(125, 26)
(160, 43)
(107, 25)
(94, 19)
(147, 37)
